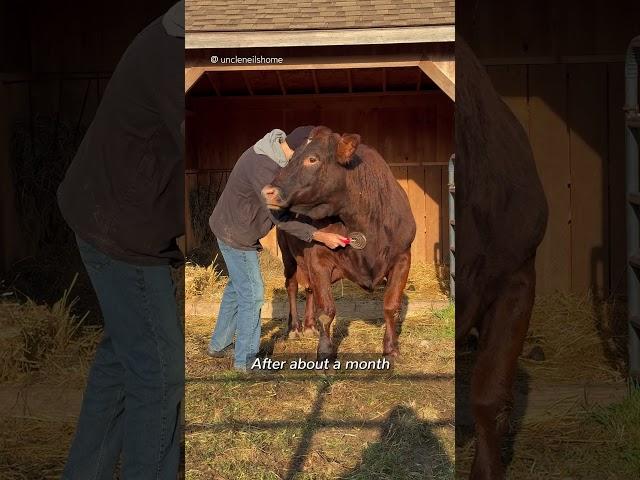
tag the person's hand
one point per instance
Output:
(331, 240)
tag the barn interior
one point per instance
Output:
(400, 111)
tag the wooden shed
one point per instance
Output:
(371, 68)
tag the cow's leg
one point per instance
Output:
(502, 335)
(295, 328)
(396, 281)
(310, 329)
(325, 309)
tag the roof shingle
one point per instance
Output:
(253, 15)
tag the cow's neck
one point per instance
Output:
(359, 217)
(368, 201)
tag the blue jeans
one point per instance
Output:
(131, 405)
(240, 307)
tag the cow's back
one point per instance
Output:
(389, 227)
(501, 210)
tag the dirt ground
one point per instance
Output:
(309, 425)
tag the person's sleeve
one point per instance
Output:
(304, 231)
(298, 229)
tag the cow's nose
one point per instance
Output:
(268, 191)
(271, 194)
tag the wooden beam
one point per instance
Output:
(284, 90)
(214, 84)
(552, 60)
(419, 82)
(318, 63)
(191, 76)
(247, 83)
(296, 38)
(321, 97)
(443, 75)
(315, 81)
(384, 79)
(350, 83)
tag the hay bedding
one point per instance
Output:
(581, 340)
(425, 281)
(50, 342)
(40, 347)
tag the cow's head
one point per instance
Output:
(314, 181)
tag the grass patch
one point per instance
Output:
(307, 425)
(446, 321)
(592, 444)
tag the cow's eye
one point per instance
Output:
(311, 160)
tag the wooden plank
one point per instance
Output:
(190, 183)
(295, 117)
(444, 150)
(401, 175)
(427, 134)
(550, 143)
(587, 110)
(510, 81)
(295, 38)
(191, 76)
(398, 143)
(616, 185)
(442, 73)
(416, 192)
(388, 98)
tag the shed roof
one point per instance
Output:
(269, 15)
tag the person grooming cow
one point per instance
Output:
(239, 220)
(344, 186)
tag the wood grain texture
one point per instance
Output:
(587, 110)
(616, 185)
(550, 143)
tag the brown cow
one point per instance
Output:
(336, 177)
(501, 216)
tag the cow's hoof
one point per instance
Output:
(294, 334)
(311, 332)
(392, 354)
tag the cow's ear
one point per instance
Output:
(347, 146)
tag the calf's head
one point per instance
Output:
(314, 181)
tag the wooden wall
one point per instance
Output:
(412, 131)
(56, 60)
(559, 65)
(573, 115)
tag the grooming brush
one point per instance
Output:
(357, 240)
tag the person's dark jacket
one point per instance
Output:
(124, 191)
(240, 218)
